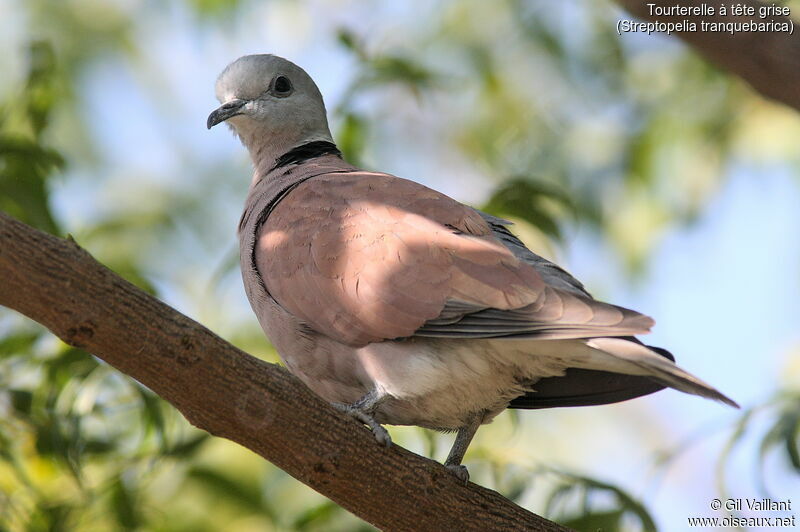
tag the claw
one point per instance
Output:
(380, 433)
(459, 471)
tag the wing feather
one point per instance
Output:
(364, 257)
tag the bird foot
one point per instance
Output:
(380, 433)
(459, 471)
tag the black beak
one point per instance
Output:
(224, 112)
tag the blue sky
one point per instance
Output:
(724, 295)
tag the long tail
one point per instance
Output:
(623, 356)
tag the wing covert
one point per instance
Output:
(364, 257)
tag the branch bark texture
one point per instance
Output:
(768, 61)
(236, 396)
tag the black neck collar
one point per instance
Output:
(304, 152)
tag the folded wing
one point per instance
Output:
(364, 257)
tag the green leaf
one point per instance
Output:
(124, 505)
(316, 516)
(350, 42)
(515, 488)
(41, 88)
(643, 150)
(396, 69)
(50, 516)
(526, 199)
(152, 414)
(69, 364)
(25, 168)
(237, 490)
(784, 433)
(21, 401)
(352, 137)
(623, 504)
(189, 447)
(50, 439)
(99, 446)
(609, 521)
(26, 164)
(214, 8)
(18, 343)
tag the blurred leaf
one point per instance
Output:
(395, 69)
(784, 432)
(40, 89)
(525, 199)
(21, 401)
(18, 343)
(228, 264)
(133, 275)
(110, 239)
(188, 447)
(736, 437)
(214, 8)
(25, 167)
(586, 517)
(431, 441)
(52, 517)
(37, 156)
(70, 363)
(50, 439)
(783, 412)
(515, 489)
(352, 138)
(608, 521)
(25, 163)
(124, 505)
(316, 515)
(152, 414)
(98, 446)
(349, 41)
(236, 490)
(642, 152)
(536, 28)
(484, 66)
(384, 69)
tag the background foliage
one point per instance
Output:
(534, 112)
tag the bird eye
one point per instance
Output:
(281, 86)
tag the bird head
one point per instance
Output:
(272, 104)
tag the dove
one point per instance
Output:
(402, 306)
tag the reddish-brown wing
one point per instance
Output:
(364, 257)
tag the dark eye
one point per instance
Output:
(281, 86)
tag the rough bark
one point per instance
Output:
(231, 394)
(768, 61)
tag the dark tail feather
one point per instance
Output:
(586, 387)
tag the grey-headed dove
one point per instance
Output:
(400, 305)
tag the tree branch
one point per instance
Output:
(231, 394)
(768, 61)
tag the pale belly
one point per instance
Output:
(434, 383)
